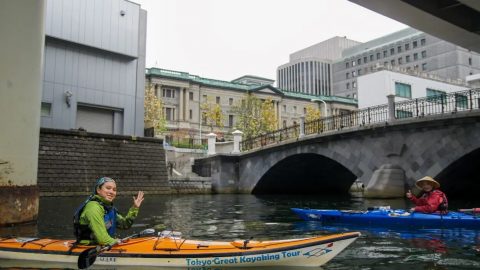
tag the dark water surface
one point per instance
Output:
(229, 217)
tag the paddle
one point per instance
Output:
(88, 256)
(471, 210)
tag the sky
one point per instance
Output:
(227, 39)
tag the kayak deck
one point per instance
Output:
(179, 252)
(390, 217)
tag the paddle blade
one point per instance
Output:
(87, 258)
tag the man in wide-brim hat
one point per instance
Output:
(432, 199)
(427, 180)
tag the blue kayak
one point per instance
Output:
(389, 217)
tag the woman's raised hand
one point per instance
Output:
(137, 201)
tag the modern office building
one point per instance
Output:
(182, 95)
(409, 49)
(332, 67)
(94, 66)
(374, 87)
(309, 70)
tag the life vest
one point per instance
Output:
(83, 232)
(443, 206)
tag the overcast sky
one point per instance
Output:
(226, 39)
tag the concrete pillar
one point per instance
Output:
(302, 126)
(211, 143)
(237, 138)
(386, 182)
(21, 66)
(391, 107)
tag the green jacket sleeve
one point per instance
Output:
(127, 221)
(93, 215)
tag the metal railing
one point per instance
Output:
(414, 108)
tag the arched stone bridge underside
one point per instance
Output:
(381, 156)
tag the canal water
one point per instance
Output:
(229, 217)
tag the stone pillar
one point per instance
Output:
(386, 182)
(23, 42)
(391, 107)
(302, 126)
(237, 138)
(180, 105)
(211, 143)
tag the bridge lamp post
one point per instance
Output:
(324, 105)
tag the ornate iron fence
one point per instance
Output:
(418, 107)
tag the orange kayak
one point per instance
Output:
(174, 251)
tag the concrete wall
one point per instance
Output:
(21, 54)
(71, 161)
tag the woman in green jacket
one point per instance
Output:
(96, 219)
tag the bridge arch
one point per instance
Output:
(305, 173)
(462, 178)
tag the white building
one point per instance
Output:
(374, 87)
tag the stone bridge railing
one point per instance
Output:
(465, 100)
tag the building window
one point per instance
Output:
(347, 64)
(168, 93)
(392, 62)
(378, 55)
(46, 109)
(403, 114)
(359, 72)
(284, 123)
(414, 44)
(364, 59)
(230, 120)
(407, 46)
(422, 42)
(353, 63)
(205, 98)
(170, 114)
(204, 118)
(190, 113)
(470, 61)
(284, 108)
(371, 57)
(424, 66)
(190, 95)
(385, 63)
(399, 49)
(400, 61)
(461, 101)
(435, 96)
(294, 109)
(359, 61)
(347, 75)
(392, 51)
(415, 56)
(230, 101)
(384, 53)
(217, 100)
(304, 111)
(403, 90)
(354, 84)
(407, 58)
(348, 85)
(424, 54)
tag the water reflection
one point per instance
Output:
(229, 217)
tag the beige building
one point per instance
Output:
(183, 94)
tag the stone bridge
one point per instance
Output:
(387, 157)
